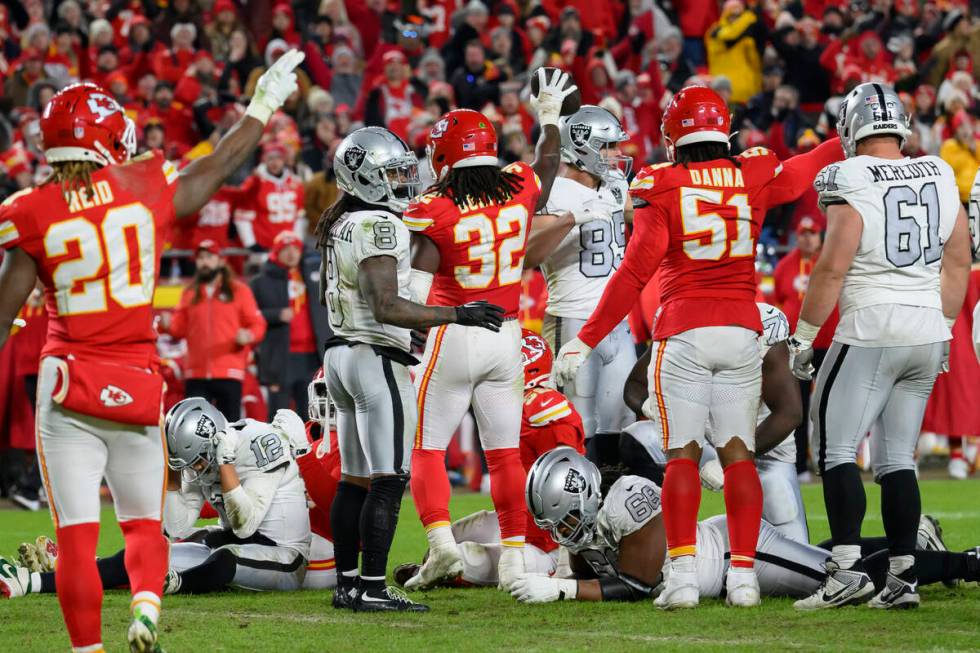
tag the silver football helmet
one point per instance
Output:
(870, 109)
(563, 496)
(585, 136)
(189, 427)
(377, 167)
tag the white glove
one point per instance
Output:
(564, 567)
(291, 426)
(571, 356)
(225, 446)
(596, 208)
(547, 103)
(539, 588)
(274, 86)
(712, 475)
(800, 357)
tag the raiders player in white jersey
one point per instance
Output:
(618, 545)
(780, 412)
(974, 220)
(579, 243)
(365, 283)
(897, 257)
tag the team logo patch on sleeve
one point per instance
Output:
(354, 157)
(580, 133)
(574, 482)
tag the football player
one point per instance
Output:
(775, 453)
(974, 220)
(697, 219)
(93, 233)
(547, 421)
(470, 238)
(364, 278)
(579, 243)
(897, 257)
(613, 527)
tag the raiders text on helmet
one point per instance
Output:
(870, 109)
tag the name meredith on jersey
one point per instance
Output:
(910, 170)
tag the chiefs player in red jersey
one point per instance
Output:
(93, 234)
(548, 421)
(697, 220)
(270, 201)
(470, 237)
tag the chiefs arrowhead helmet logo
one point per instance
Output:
(532, 348)
(580, 133)
(354, 157)
(439, 129)
(114, 397)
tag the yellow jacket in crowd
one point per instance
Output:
(732, 52)
(964, 163)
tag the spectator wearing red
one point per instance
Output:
(513, 114)
(224, 21)
(283, 26)
(200, 75)
(218, 317)
(170, 65)
(393, 100)
(694, 17)
(286, 291)
(641, 116)
(176, 118)
(271, 200)
(140, 42)
(863, 54)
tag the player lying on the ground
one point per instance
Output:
(548, 420)
(320, 469)
(613, 528)
(780, 413)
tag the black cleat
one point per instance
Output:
(343, 599)
(404, 572)
(387, 599)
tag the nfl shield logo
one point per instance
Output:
(354, 157)
(580, 134)
(574, 482)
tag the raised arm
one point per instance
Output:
(798, 172)
(547, 232)
(202, 178)
(547, 105)
(17, 276)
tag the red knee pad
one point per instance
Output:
(507, 478)
(79, 586)
(147, 555)
(430, 486)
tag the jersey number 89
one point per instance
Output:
(602, 246)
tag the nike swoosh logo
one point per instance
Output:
(831, 597)
(545, 404)
(368, 599)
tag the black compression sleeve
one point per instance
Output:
(623, 588)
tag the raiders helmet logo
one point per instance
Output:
(354, 157)
(439, 129)
(114, 397)
(617, 193)
(574, 482)
(580, 133)
(205, 427)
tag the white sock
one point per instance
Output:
(898, 564)
(846, 555)
(683, 564)
(35, 585)
(440, 536)
(146, 604)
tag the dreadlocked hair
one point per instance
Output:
(701, 152)
(344, 204)
(479, 185)
(74, 175)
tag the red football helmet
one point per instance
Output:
(461, 139)
(697, 114)
(82, 122)
(319, 401)
(536, 357)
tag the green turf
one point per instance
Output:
(488, 620)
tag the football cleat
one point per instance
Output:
(443, 563)
(404, 572)
(680, 591)
(841, 587)
(930, 538)
(510, 567)
(742, 588)
(343, 599)
(15, 581)
(387, 599)
(900, 592)
(142, 635)
(172, 582)
(39, 555)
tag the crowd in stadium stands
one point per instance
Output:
(183, 68)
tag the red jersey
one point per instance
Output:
(481, 247)
(214, 218)
(320, 470)
(271, 204)
(549, 420)
(98, 257)
(698, 223)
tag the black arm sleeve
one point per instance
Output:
(623, 588)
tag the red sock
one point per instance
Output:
(430, 486)
(147, 555)
(743, 504)
(681, 499)
(507, 478)
(79, 585)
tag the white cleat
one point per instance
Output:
(142, 636)
(510, 567)
(742, 588)
(958, 469)
(39, 556)
(15, 581)
(681, 591)
(841, 587)
(443, 563)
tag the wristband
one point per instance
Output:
(806, 332)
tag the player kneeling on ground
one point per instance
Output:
(612, 526)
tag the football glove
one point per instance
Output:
(800, 358)
(595, 208)
(539, 588)
(480, 314)
(225, 445)
(547, 103)
(274, 86)
(570, 357)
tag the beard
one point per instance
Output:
(207, 275)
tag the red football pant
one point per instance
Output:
(78, 582)
(147, 555)
(743, 505)
(507, 477)
(430, 486)
(681, 499)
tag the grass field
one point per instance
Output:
(488, 620)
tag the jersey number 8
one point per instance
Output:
(491, 257)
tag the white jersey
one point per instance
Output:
(974, 216)
(269, 473)
(577, 271)
(908, 208)
(629, 505)
(775, 329)
(354, 237)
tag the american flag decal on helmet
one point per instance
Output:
(687, 122)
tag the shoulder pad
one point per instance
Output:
(646, 178)
(18, 195)
(543, 406)
(756, 152)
